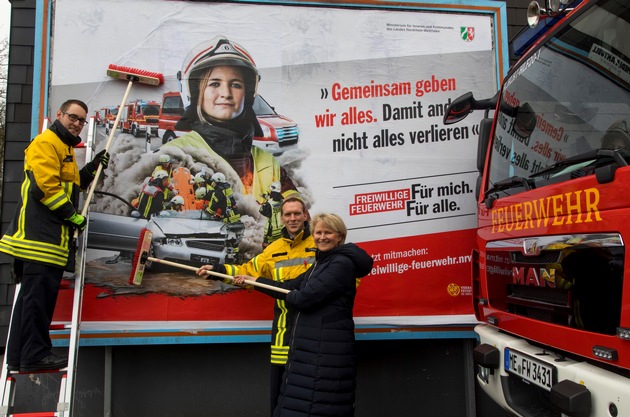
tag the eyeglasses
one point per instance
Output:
(74, 118)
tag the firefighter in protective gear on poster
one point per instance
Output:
(271, 210)
(220, 117)
(166, 165)
(176, 203)
(221, 203)
(151, 200)
(199, 181)
(201, 201)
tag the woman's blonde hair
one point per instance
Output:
(331, 221)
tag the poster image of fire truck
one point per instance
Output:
(368, 101)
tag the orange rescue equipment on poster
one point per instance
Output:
(556, 210)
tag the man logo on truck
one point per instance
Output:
(538, 277)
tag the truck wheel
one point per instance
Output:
(168, 136)
(134, 131)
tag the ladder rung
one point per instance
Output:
(41, 414)
(40, 371)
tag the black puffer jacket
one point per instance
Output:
(319, 379)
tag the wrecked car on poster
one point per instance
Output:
(189, 237)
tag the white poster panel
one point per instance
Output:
(366, 89)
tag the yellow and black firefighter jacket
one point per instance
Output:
(49, 194)
(222, 202)
(284, 259)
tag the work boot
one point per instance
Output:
(52, 361)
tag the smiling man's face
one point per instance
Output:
(73, 118)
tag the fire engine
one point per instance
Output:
(98, 117)
(553, 193)
(108, 115)
(171, 111)
(140, 117)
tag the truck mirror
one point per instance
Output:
(459, 109)
(463, 105)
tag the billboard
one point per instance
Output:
(350, 103)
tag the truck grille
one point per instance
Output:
(287, 135)
(569, 281)
(544, 304)
(544, 295)
(545, 257)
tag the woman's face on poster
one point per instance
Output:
(223, 95)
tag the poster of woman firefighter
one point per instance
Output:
(264, 102)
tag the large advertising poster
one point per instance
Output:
(350, 104)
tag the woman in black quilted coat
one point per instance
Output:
(319, 378)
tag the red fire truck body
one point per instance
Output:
(108, 115)
(140, 117)
(551, 285)
(98, 117)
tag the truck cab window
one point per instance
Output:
(588, 52)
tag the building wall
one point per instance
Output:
(18, 128)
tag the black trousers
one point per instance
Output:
(29, 337)
(277, 371)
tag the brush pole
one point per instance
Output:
(99, 169)
(217, 274)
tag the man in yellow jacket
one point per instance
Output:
(40, 237)
(284, 259)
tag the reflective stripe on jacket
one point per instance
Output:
(283, 260)
(48, 195)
